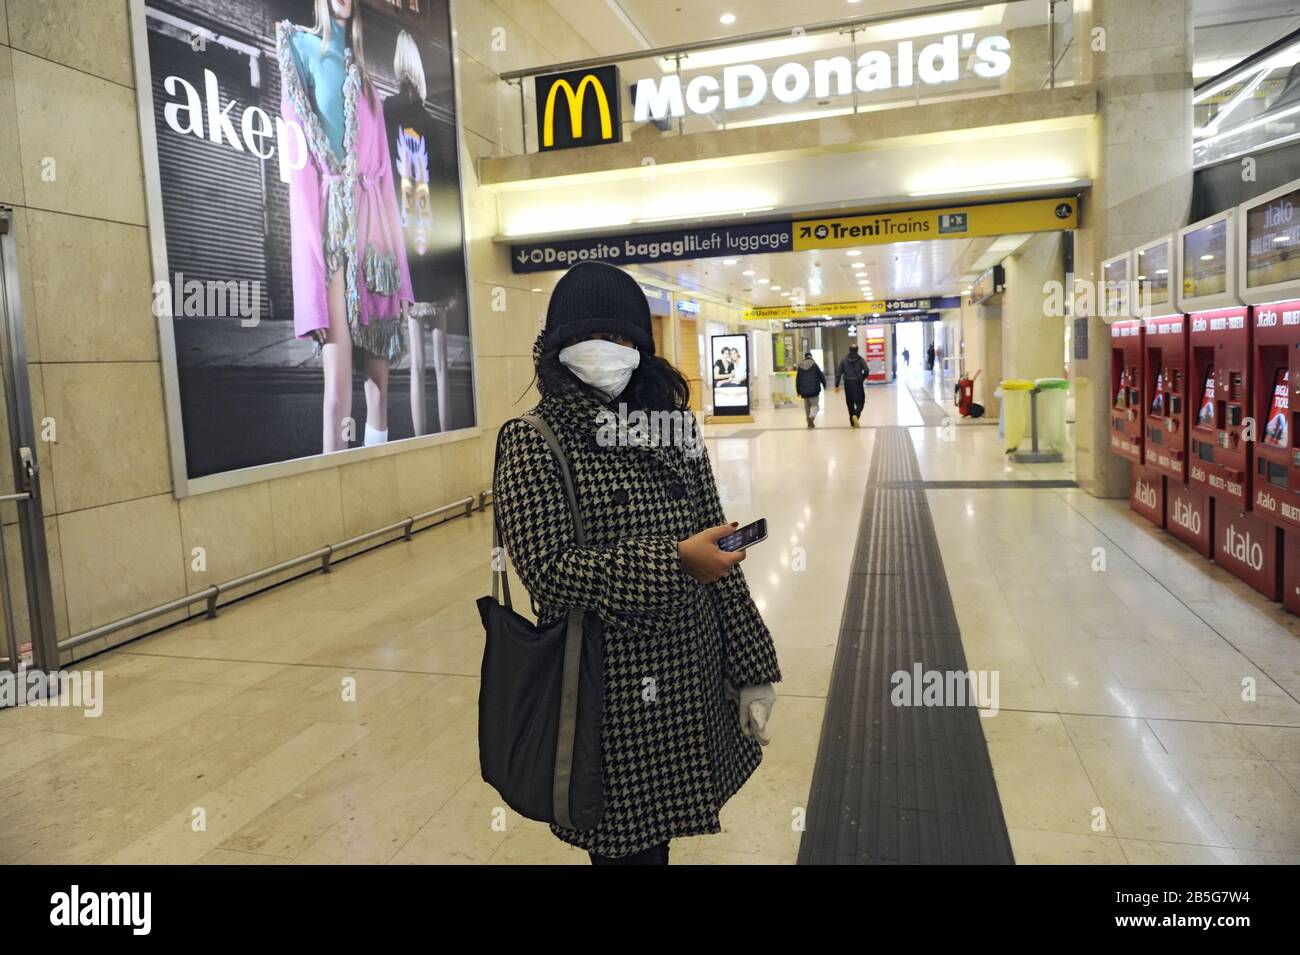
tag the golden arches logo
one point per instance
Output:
(575, 100)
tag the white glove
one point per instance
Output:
(755, 709)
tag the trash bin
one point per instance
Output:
(1052, 393)
(1015, 411)
(783, 395)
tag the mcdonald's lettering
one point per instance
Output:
(567, 116)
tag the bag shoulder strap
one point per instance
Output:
(566, 475)
(500, 580)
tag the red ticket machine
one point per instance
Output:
(1126, 360)
(1165, 445)
(1205, 283)
(1275, 494)
(1127, 392)
(1128, 389)
(1219, 362)
(1164, 377)
(1222, 432)
(1268, 246)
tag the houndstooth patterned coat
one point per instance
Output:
(673, 749)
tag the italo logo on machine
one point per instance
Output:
(1186, 517)
(1269, 316)
(1243, 548)
(1145, 494)
(578, 108)
(949, 59)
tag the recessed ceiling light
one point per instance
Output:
(763, 281)
(536, 290)
(785, 294)
(775, 288)
(730, 261)
(853, 252)
(728, 19)
(859, 265)
(749, 272)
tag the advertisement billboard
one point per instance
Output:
(877, 366)
(307, 231)
(729, 374)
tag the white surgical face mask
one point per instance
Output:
(604, 365)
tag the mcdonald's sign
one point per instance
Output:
(578, 108)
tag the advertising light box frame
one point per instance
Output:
(182, 484)
(1170, 304)
(1276, 291)
(736, 408)
(1126, 313)
(1229, 296)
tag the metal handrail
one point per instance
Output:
(826, 26)
(210, 595)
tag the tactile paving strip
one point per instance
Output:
(899, 784)
(932, 413)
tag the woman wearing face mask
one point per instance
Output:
(689, 664)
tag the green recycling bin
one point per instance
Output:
(1015, 411)
(1052, 393)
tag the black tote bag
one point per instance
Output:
(540, 699)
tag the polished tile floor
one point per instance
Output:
(333, 719)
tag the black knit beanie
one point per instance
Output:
(598, 297)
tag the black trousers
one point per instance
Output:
(856, 396)
(655, 855)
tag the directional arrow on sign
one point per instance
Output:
(522, 257)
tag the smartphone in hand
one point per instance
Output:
(747, 535)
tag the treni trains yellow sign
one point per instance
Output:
(581, 122)
(834, 310)
(956, 222)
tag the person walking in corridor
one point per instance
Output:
(929, 358)
(852, 373)
(808, 384)
(688, 662)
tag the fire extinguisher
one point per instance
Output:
(964, 396)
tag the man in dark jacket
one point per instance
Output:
(853, 374)
(808, 384)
